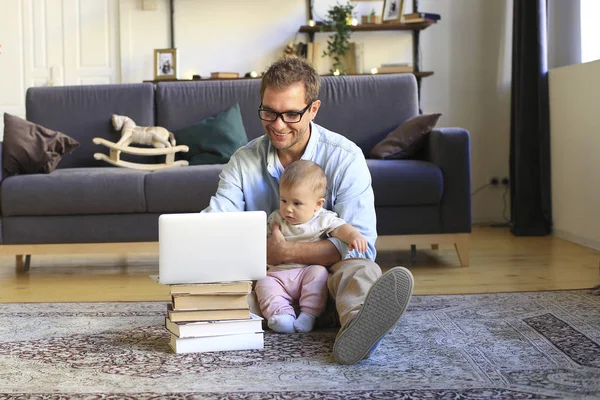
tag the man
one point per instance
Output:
(368, 303)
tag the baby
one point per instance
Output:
(301, 218)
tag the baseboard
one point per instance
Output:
(583, 241)
(488, 222)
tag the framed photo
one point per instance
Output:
(165, 64)
(392, 10)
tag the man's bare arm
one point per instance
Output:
(280, 251)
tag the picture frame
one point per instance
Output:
(392, 11)
(165, 64)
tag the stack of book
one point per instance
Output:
(395, 68)
(212, 317)
(224, 75)
(416, 17)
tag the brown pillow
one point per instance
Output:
(407, 139)
(29, 148)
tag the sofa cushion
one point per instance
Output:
(214, 139)
(74, 191)
(407, 139)
(101, 228)
(186, 189)
(30, 148)
(84, 112)
(365, 108)
(378, 103)
(406, 182)
(179, 104)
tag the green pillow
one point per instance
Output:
(214, 139)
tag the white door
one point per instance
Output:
(55, 42)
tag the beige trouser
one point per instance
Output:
(349, 281)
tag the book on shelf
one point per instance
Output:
(424, 15)
(214, 75)
(209, 301)
(417, 20)
(402, 64)
(348, 60)
(242, 341)
(207, 315)
(394, 69)
(215, 328)
(313, 54)
(237, 287)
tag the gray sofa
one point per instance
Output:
(88, 201)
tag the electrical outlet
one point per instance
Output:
(494, 181)
(505, 181)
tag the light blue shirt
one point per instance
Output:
(250, 182)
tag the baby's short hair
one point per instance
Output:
(305, 172)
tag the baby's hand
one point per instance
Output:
(359, 243)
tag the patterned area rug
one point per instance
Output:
(542, 345)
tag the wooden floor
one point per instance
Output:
(500, 262)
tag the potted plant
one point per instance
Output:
(339, 20)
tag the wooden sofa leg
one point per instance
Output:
(462, 248)
(20, 264)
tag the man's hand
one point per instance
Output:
(277, 247)
(280, 251)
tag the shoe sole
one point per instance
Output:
(385, 303)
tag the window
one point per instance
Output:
(590, 30)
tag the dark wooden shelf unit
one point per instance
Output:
(419, 74)
(372, 27)
(415, 29)
(423, 74)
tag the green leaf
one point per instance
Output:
(337, 20)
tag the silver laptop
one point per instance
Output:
(212, 247)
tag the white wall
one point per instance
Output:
(575, 152)
(12, 84)
(469, 51)
(55, 42)
(590, 30)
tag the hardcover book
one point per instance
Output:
(425, 15)
(215, 328)
(243, 341)
(224, 75)
(210, 302)
(207, 315)
(239, 287)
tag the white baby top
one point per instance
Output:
(322, 223)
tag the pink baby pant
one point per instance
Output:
(281, 291)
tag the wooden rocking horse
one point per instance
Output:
(162, 140)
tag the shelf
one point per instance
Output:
(195, 80)
(372, 27)
(423, 74)
(420, 74)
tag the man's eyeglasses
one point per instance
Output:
(289, 117)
